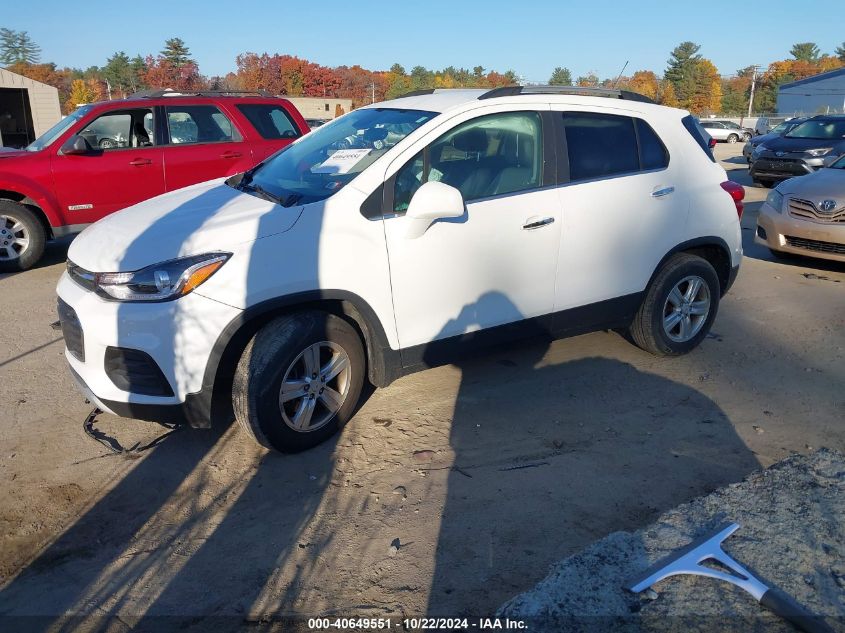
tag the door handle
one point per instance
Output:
(659, 192)
(230, 155)
(140, 162)
(536, 223)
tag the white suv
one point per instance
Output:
(396, 238)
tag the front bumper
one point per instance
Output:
(178, 336)
(776, 168)
(786, 234)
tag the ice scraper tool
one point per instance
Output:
(689, 559)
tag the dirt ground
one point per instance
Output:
(450, 492)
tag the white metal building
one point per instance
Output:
(819, 94)
(28, 108)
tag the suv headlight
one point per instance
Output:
(821, 151)
(160, 282)
(775, 200)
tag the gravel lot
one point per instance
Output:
(450, 492)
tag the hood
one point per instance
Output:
(784, 144)
(9, 152)
(825, 184)
(755, 141)
(210, 216)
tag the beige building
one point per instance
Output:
(28, 108)
(322, 108)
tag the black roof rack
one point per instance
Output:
(167, 92)
(416, 93)
(583, 91)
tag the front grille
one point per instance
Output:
(71, 330)
(807, 210)
(815, 245)
(84, 278)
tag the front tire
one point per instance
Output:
(22, 237)
(299, 380)
(732, 138)
(679, 307)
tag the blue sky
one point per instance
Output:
(527, 36)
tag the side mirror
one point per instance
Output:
(829, 160)
(76, 145)
(432, 201)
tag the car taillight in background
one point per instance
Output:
(737, 192)
(711, 143)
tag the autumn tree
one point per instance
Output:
(560, 77)
(645, 83)
(83, 91)
(590, 80)
(176, 53)
(667, 95)
(161, 73)
(840, 52)
(805, 51)
(18, 46)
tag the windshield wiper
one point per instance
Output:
(261, 192)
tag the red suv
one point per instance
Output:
(110, 155)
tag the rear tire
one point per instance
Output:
(277, 398)
(658, 325)
(732, 138)
(22, 237)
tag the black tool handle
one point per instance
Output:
(785, 606)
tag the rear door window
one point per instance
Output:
(270, 121)
(600, 145)
(191, 124)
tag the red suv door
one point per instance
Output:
(203, 143)
(125, 168)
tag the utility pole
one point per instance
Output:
(374, 91)
(753, 84)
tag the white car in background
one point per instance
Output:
(452, 219)
(727, 131)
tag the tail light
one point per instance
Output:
(737, 192)
(711, 143)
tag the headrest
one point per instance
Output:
(472, 140)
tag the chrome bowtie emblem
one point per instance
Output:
(828, 205)
(779, 154)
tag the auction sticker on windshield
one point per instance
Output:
(341, 162)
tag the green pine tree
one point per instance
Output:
(561, 77)
(176, 52)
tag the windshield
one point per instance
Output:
(323, 161)
(827, 130)
(781, 127)
(57, 130)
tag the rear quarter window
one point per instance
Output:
(698, 135)
(270, 121)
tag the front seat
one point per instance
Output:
(520, 173)
(142, 137)
(471, 175)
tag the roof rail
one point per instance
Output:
(583, 91)
(169, 92)
(416, 93)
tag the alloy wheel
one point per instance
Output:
(14, 238)
(686, 309)
(315, 386)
